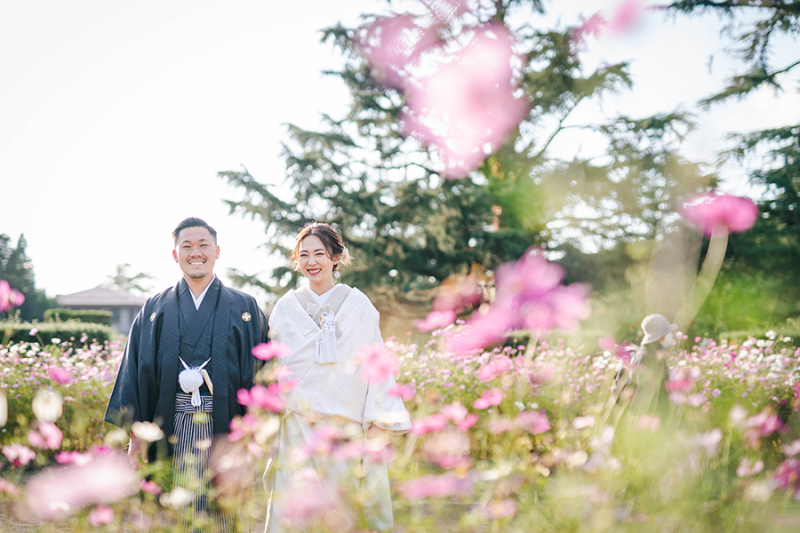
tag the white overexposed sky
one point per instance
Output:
(115, 116)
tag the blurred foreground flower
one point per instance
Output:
(378, 363)
(530, 296)
(265, 398)
(270, 350)
(101, 515)
(47, 436)
(59, 375)
(59, 492)
(433, 486)
(147, 431)
(9, 297)
(468, 104)
(47, 405)
(624, 17)
(712, 212)
(18, 455)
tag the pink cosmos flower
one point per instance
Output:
(271, 350)
(9, 297)
(529, 295)
(58, 492)
(500, 509)
(149, 486)
(390, 44)
(455, 412)
(746, 468)
(495, 427)
(101, 515)
(712, 212)
(467, 103)
(47, 437)
(60, 376)
(787, 476)
(468, 422)
(18, 455)
(378, 363)
(73, 457)
(428, 424)
(488, 399)
(679, 383)
(403, 391)
(495, 367)
(457, 292)
(6, 487)
(533, 422)
(625, 16)
(435, 320)
(261, 397)
(433, 486)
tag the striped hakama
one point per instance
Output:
(193, 439)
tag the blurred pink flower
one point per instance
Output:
(648, 422)
(495, 367)
(47, 436)
(528, 294)
(101, 515)
(448, 449)
(390, 44)
(33, 332)
(9, 297)
(270, 350)
(60, 376)
(307, 501)
(625, 16)
(467, 103)
(488, 399)
(18, 455)
(378, 363)
(6, 487)
(468, 422)
(403, 391)
(433, 486)
(261, 397)
(593, 26)
(712, 212)
(428, 424)
(503, 425)
(73, 457)
(533, 422)
(454, 411)
(58, 492)
(787, 476)
(710, 441)
(746, 468)
(456, 292)
(435, 320)
(500, 509)
(679, 383)
(149, 486)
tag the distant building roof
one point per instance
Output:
(101, 297)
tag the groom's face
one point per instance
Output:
(196, 252)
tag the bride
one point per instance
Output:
(325, 324)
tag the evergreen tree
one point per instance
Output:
(124, 281)
(409, 228)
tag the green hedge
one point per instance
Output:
(72, 330)
(95, 316)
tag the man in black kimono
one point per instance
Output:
(198, 327)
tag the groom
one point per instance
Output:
(188, 353)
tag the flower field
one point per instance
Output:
(512, 439)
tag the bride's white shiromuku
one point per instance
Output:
(329, 390)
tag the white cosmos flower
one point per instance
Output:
(47, 405)
(147, 431)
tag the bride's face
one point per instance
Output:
(313, 260)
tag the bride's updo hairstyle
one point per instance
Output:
(334, 246)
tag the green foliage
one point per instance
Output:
(96, 316)
(71, 330)
(407, 228)
(127, 282)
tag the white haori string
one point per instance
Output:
(326, 346)
(191, 379)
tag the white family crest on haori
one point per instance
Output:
(191, 379)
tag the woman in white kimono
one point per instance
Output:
(325, 325)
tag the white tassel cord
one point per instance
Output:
(326, 346)
(191, 379)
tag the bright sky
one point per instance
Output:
(115, 117)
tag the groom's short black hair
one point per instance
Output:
(193, 222)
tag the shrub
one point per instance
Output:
(45, 332)
(95, 316)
